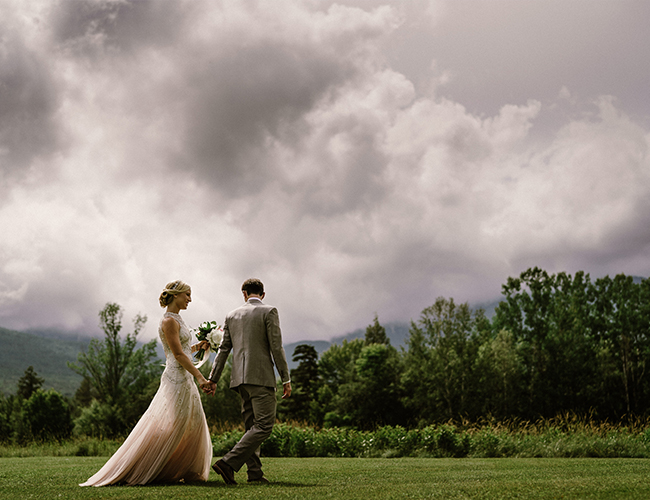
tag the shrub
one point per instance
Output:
(99, 420)
(47, 416)
(539, 439)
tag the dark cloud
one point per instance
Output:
(28, 105)
(95, 26)
(212, 141)
(248, 97)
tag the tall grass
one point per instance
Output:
(565, 436)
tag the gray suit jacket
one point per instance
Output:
(252, 332)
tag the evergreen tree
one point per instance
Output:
(6, 408)
(29, 383)
(305, 383)
(84, 394)
(376, 334)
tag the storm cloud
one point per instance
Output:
(358, 157)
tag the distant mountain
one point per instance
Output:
(48, 351)
(48, 356)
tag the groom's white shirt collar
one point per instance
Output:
(254, 298)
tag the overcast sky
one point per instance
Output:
(359, 157)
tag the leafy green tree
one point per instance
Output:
(6, 408)
(622, 328)
(20, 431)
(29, 383)
(47, 416)
(338, 373)
(551, 319)
(100, 420)
(120, 374)
(439, 377)
(375, 399)
(499, 366)
(361, 382)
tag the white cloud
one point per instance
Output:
(274, 139)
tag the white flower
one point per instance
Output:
(214, 337)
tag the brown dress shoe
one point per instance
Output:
(225, 471)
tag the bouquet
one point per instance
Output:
(210, 331)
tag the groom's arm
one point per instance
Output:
(274, 335)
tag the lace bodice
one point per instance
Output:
(174, 371)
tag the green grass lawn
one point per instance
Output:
(352, 478)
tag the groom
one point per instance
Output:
(252, 332)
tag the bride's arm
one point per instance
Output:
(171, 330)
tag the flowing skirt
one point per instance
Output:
(170, 442)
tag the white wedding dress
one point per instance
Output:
(171, 441)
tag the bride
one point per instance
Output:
(171, 442)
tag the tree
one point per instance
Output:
(305, 383)
(376, 334)
(375, 399)
(119, 373)
(29, 383)
(84, 393)
(499, 367)
(622, 319)
(6, 409)
(440, 376)
(47, 416)
(552, 320)
(338, 374)
(360, 382)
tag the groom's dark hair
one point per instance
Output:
(253, 286)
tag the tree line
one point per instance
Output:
(556, 343)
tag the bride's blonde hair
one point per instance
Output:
(171, 290)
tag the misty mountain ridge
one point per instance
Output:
(48, 356)
(49, 350)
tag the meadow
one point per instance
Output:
(352, 478)
(566, 457)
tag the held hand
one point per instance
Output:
(286, 390)
(204, 384)
(210, 388)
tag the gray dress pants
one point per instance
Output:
(258, 405)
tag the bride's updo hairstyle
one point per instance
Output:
(171, 290)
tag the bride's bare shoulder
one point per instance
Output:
(169, 324)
